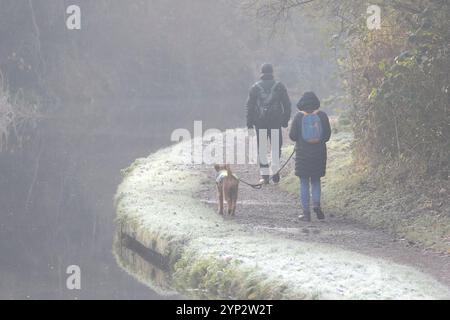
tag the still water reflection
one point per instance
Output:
(56, 205)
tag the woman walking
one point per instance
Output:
(311, 131)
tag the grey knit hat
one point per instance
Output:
(266, 68)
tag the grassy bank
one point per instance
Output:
(413, 210)
(209, 257)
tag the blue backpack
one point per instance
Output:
(311, 127)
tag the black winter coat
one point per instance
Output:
(310, 159)
(267, 81)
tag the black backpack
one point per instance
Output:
(268, 103)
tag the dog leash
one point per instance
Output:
(258, 186)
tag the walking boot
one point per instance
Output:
(319, 213)
(265, 179)
(305, 217)
(276, 178)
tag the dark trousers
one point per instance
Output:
(264, 138)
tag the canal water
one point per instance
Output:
(56, 197)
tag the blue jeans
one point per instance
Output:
(305, 192)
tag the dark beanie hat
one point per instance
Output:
(309, 102)
(266, 68)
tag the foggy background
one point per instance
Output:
(110, 93)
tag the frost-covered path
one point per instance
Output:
(274, 211)
(263, 253)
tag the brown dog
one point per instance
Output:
(227, 187)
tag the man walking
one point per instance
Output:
(268, 110)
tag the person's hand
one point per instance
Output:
(285, 125)
(249, 126)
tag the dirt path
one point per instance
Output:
(274, 211)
